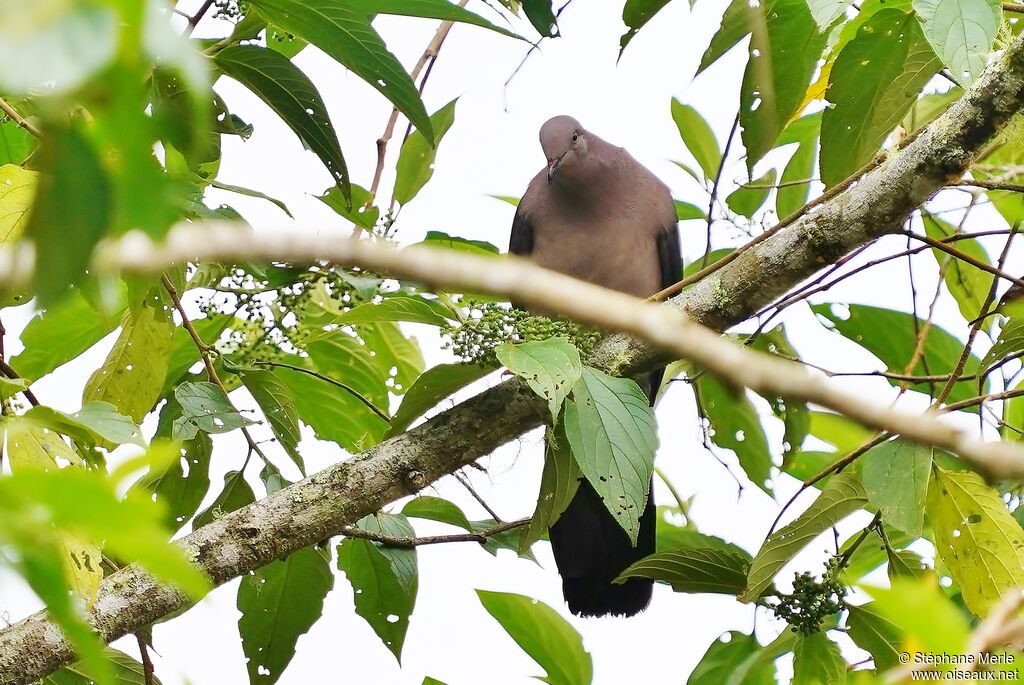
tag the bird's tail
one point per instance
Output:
(591, 549)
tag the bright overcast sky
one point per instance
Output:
(492, 149)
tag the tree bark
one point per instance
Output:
(321, 505)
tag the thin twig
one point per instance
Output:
(483, 503)
(147, 663)
(18, 119)
(6, 369)
(992, 185)
(194, 20)
(714, 188)
(977, 263)
(407, 542)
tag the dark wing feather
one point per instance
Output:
(670, 256)
(521, 241)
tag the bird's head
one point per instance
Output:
(564, 143)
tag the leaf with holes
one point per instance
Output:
(841, 497)
(95, 423)
(415, 163)
(735, 27)
(399, 308)
(544, 635)
(827, 11)
(204, 407)
(278, 405)
(976, 537)
(558, 484)
(385, 579)
(611, 430)
(736, 426)
(1009, 345)
(694, 570)
(872, 84)
(279, 603)
(132, 376)
(290, 93)
(635, 14)
(698, 137)
(783, 56)
(962, 33)
(895, 476)
(550, 367)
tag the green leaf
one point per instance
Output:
(635, 14)
(60, 333)
(17, 190)
(872, 84)
(290, 93)
(454, 242)
(739, 660)
(827, 11)
(1008, 345)
(891, 336)
(345, 34)
(127, 671)
(611, 430)
(184, 354)
(543, 634)
(427, 9)
(550, 367)
(837, 430)
(694, 570)
(31, 445)
(181, 485)
(895, 477)
(398, 308)
(279, 603)
(736, 427)
(436, 509)
(16, 144)
(784, 52)
(875, 634)
(249, 192)
(671, 537)
(430, 388)
(924, 616)
(817, 661)
(235, 494)
(204, 407)
(735, 27)
(541, 15)
(905, 563)
(698, 264)
(842, 496)
(794, 413)
(698, 137)
(132, 376)
(791, 196)
(93, 424)
(358, 213)
(384, 579)
(73, 209)
(278, 405)
(962, 33)
(747, 199)
(416, 160)
(687, 210)
(392, 349)
(968, 284)
(559, 481)
(976, 537)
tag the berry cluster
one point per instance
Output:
(811, 602)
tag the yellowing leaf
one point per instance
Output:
(82, 564)
(977, 538)
(133, 375)
(33, 446)
(17, 188)
(815, 91)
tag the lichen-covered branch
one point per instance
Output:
(324, 503)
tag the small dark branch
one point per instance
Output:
(714, 188)
(147, 662)
(991, 185)
(6, 369)
(392, 541)
(194, 20)
(952, 251)
(18, 119)
(868, 529)
(784, 184)
(483, 503)
(347, 388)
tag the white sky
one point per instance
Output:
(492, 149)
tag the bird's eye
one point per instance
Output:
(575, 137)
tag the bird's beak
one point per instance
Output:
(553, 164)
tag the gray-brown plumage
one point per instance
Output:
(597, 214)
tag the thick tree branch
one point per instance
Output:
(323, 504)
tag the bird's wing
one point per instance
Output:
(670, 256)
(521, 241)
